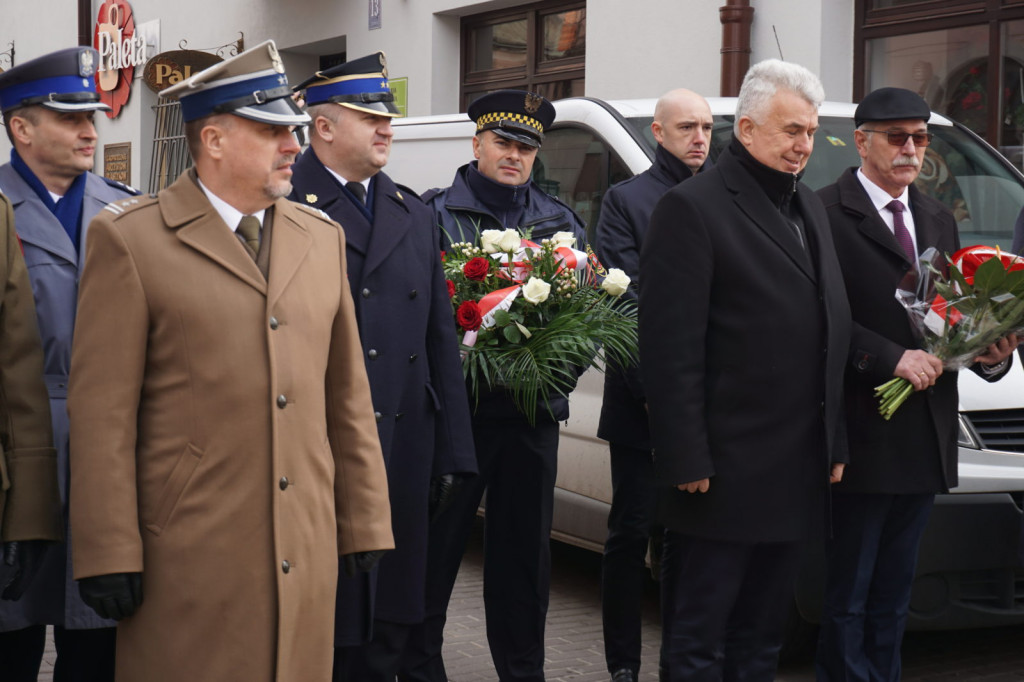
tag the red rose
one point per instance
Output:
(476, 269)
(468, 316)
(451, 288)
(972, 101)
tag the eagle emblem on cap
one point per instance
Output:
(275, 59)
(383, 65)
(532, 103)
(86, 63)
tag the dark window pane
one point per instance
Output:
(498, 46)
(565, 35)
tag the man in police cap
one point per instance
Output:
(411, 350)
(881, 224)
(48, 106)
(517, 460)
(225, 451)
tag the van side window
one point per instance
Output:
(578, 167)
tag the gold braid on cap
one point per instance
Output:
(499, 116)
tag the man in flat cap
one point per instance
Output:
(410, 349)
(881, 224)
(48, 106)
(516, 460)
(225, 452)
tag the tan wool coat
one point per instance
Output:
(222, 436)
(29, 497)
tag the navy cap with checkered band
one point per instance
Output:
(513, 114)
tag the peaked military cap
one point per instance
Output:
(63, 81)
(252, 85)
(891, 104)
(360, 84)
(513, 114)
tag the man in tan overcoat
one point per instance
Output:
(225, 449)
(29, 499)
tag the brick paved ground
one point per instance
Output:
(575, 651)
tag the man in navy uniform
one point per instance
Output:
(881, 223)
(48, 106)
(682, 127)
(410, 345)
(517, 461)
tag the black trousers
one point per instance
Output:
(723, 608)
(517, 465)
(378, 660)
(871, 562)
(622, 565)
(82, 655)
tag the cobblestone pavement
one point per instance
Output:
(575, 651)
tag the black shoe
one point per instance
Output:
(624, 675)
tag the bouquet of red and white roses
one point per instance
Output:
(532, 316)
(960, 314)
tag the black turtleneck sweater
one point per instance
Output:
(505, 202)
(779, 186)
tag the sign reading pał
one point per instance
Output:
(168, 68)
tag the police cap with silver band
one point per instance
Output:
(360, 84)
(63, 81)
(252, 85)
(513, 114)
(891, 104)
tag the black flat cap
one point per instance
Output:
(891, 104)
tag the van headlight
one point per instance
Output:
(967, 438)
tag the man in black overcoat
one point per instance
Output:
(682, 128)
(744, 331)
(881, 223)
(411, 351)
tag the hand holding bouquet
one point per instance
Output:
(532, 316)
(959, 315)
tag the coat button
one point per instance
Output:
(399, 415)
(412, 358)
(378, 416)
(372, 353)
(413, 293)
(285, 566)
(283, 483)
(282, 401)
(366, 293)
(274, 323)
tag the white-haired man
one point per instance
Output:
(743, 359)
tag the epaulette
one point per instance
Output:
(116, 184)
(315, 211)
(430, 194)
(123, 206)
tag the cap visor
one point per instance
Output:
(379, 108)
(75, 106)
(517, 136)
(279, 112)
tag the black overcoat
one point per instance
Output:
(412, 361)
(625, 214)
(743, 340)
(916, 451)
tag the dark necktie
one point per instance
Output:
(900, 228)
(357, 189)
(249, 228)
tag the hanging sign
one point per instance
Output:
(168, 68)
(121, 50)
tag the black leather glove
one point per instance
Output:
(19, 565)
(443, 490)
(116, 595)
(360, 562)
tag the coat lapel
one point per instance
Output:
(316, 187)
(35, 223)
(291, 243)
(926, 221)
(855, 200)
(185, 208)
(390, 222)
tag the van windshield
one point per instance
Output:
(967, 176)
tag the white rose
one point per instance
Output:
(616, 282)
(489, 240)
(509, 241)
(536, 290)
(560, 239)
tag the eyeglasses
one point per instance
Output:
(898, 138)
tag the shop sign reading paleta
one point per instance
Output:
(121, 50)
(168, 68)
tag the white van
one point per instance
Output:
(970, 572)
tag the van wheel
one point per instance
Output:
(799, 637)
